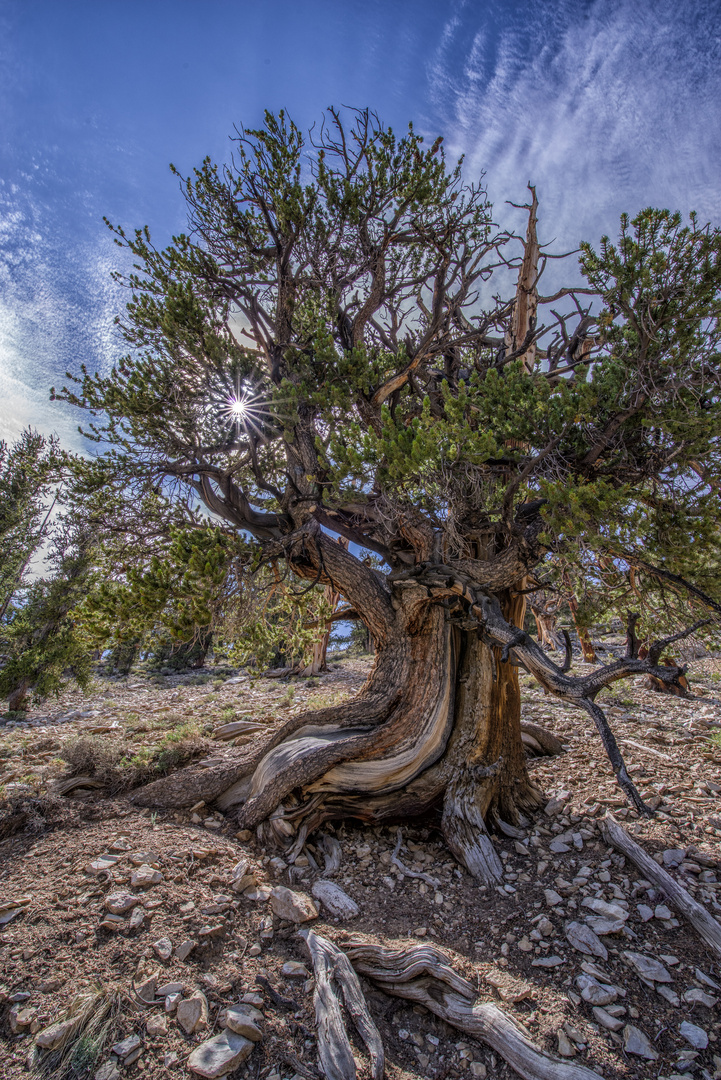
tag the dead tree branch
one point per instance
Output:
(703, 923)
(424, 975)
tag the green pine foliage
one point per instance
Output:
(29, 471)
(41, 641)
(342, 286)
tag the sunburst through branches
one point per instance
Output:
(247, 411)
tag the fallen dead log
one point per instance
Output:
(238, 727)
(540, 740)
(703, 923)
(424, 975)
(65, 787)
(280, 672)
(331, 967)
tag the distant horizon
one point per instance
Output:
(605, 106)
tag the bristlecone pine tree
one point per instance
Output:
(324, 355)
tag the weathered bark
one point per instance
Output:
(436, 725)
(680, 689)
(424, 975)
(487, 779)
(545, 614)
(18, 698)
(589, 653)
(451, 735)
(334, 974)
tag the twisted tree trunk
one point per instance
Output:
(437, 725)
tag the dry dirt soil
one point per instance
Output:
(511, 941)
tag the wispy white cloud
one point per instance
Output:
(57, 304)
(606, 106)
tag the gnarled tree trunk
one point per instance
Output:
(18, 698)
(437, 725)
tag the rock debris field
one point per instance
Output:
(142, 944)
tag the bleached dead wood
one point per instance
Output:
(65, 787)
(404, 869)
(332, 969)
(703, 923)
(464, 827)
(332, 853)
(235, 728)
(424, 975)
(545, 740)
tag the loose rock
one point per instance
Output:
(51, 1037)
(184, 949)
(674, 856)
(612, 1023)
(192, 1013)
(107, 1071)
(602, 926)
(694, 1035)
(137, 918)
(220, 1055)
(145, 876)
(163, 948)
(241, 1023)
(565, 1046)
(121, 902)
(127, 1047)
(583, 938)
(648, 968)
(146, 989)
(294, 906)
(694, 995)
(157, 1026)
(548, 961)
(595, 992)
(607, 911)
(293, 969)
(636, 1042)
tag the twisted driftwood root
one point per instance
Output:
(333, 970)
(423, 974)
(700, 919)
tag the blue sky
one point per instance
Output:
(606, 105)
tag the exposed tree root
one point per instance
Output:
(333, 973)
(540, 741)
(464, 828)
(703, 923)
(72, 783)
(424, 975)
(433, 882)
(436, 724)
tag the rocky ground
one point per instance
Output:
(163, 931)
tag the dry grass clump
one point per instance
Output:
(29, 813)
(120, 768)
(91, 755)
(95, 1018)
